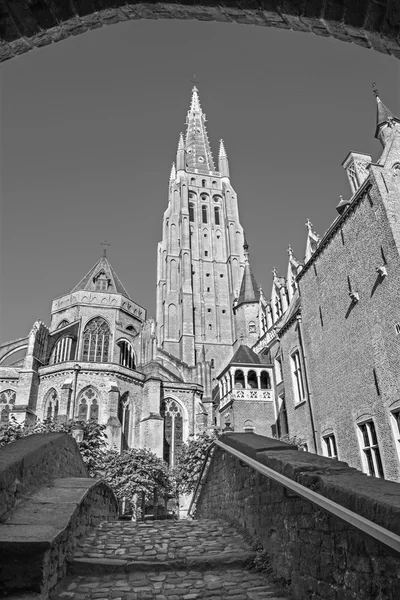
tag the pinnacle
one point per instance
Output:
(181, 143)
(172, 176)
(195, 102)
(222, 151)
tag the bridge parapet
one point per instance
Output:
(319, 554)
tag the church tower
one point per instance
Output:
(201, 257)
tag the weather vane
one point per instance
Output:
(375, 89)
(105, 243)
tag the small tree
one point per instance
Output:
(190, 460)
(137, 471)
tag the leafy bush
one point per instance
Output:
(190, 460)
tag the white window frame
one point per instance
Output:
(297, 377)
(278, 370)
(370, 452)
(395, 422)
(330, 448)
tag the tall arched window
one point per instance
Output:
(252, 379)
(204, 214)
(124, 416)
(96, 340)
(265, 380)
(203, 183)
(173, 429)
(88, 404)
(191, 211)
(239, 379)
(7, 401)
(126, 356)
(216, 215)
(50, 405)
(62, 350)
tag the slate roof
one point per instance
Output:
(115, 284)
(383, 114)
(245, 355)
(249, 290)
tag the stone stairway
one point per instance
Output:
(165, 560)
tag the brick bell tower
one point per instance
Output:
(200, 258)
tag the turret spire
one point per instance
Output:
(385, 119)
(198, 151)
(249, 290)
(172, 176)
(223, 164)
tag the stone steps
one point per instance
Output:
(164, 560)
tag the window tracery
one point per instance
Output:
(62, 350)
(126, 355)
(171, 411)
(96, 340)
(7, 401)
(88, 404)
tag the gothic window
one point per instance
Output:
(239, 379)
(191, 212)
(351, 171)
(203, 183)
(330, 446)
(126, 356)
(216, 215)
(171, 411)
(204, 214)
(62, 350)
(88, 405)
(297, 376)
(252, 380)
(50, 405)
(252, 327)
(62, 323)
(96, 340)
(124, 416)
(7, 401)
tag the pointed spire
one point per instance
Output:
(290, 251)
(180, 154)
(181, 143)
(385, 119)
(198, 151)
(312, 241)
(222, 151)
(249, 290)
(172, 175)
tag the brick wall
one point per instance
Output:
(318, 555)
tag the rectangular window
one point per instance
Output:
(330, 446)
(297, 374)
(370, 449)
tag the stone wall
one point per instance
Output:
(317, 554)
(33, 461)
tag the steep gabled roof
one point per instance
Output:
(88, 283)
(249, 290)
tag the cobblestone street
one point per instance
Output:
(165, 560)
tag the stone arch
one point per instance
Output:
(366, 24)
(175, 418)
(88, 404)
(15, 355)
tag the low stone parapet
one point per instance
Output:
(316, 553)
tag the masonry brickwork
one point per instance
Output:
(318, 555)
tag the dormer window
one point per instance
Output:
(101, 281)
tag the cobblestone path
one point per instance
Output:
(165, 560)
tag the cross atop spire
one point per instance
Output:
(104, 244)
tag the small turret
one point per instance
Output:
(223, 163)
(172, 175)
(385, 120)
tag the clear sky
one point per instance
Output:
(89, 129)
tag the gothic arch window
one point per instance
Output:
(204, 214)
(50, 405)
(191, 211)
(7, 401)
(124, 416)
(216, 215)
(62, 323)
(126, 355)
(172, 413)
(88, 405)
(96, 340)
(62, 350)
(203, 183)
